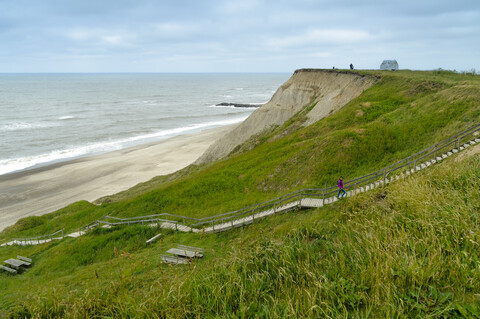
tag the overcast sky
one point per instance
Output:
(236, 36)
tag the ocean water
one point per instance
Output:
(47, 118)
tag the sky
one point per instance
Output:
(236, 36)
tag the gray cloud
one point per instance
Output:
(240, 35)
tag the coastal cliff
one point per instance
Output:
(327, 90)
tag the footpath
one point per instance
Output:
(302, 199)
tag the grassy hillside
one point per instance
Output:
(403, 113)
(407, 250)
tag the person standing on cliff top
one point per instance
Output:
(340, 186)
(351, 66)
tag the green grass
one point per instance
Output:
(409, 250)
(402, 113)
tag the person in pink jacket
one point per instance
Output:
(340, 186)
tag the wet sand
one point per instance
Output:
(46, 189)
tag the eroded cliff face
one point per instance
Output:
(328, 90)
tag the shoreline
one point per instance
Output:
(45, 189)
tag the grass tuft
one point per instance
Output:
(408, 250)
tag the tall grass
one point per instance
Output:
(409, 250)
(401, 114)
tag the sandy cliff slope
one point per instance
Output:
(329, 90)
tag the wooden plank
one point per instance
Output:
(10, 270)
(191, 248)
(173, 259)
(184, 253)
(15, 263)
(153, 238)
(24, 259)
(219, 230)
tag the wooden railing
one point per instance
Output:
(286, 202)
(149, 219)
(273, 204)
(294, 200)
(114, 221)
(410, 164)
(31, 240)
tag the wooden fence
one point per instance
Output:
(310, 197)
(38, 239)
(405, 166)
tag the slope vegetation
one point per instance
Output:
(407, 250)
(401, 114)
(325, 91)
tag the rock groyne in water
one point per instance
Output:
(240, 105)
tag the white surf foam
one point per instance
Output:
(67, 117)
(18, 164)
(223, 106)
(185, 129)
(21, 126)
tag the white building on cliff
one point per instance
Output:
(389, 65)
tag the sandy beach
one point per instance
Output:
(46, 189)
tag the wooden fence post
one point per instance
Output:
(324, 190)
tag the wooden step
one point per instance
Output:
(173, 259)
(24, 259)
(153, 238)
(10, 270)
(15, 263)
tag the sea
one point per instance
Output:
(49, 118)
